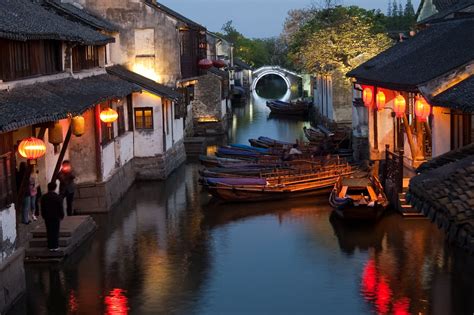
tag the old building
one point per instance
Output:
(410, 100)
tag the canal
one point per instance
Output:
(169, 249)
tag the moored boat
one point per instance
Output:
(282, 108)
(361, 199)
(314, 135)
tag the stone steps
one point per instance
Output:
(194, 146)
(74, 231)
(405, 208)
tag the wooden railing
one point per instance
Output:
(393, 175)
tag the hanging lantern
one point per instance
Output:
(368, 97)
(422, 109)
(380, 100)
(219, 63)
(399, 106)
(108, 116)
(78, 125)
(55, 134)
(32, 148)
(205, 64)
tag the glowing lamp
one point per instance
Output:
(399, 106)
(219, 63)
(78, 125)
(205, 64)
(108, 116)
(422, 109)
(380, 100)
(32, 148)
(368, 96)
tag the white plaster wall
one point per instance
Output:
(441, 131)
(125, 147)
(223, 108)
(7, 230)
(178, 129)
(149, 143)
(108, 160)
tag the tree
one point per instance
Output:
(343, 44)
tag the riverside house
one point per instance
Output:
(413, 112)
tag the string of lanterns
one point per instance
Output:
(422, 108)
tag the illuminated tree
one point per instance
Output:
(342, 46)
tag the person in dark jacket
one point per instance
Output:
(67, 186)
(52, 212)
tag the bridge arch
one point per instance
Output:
(288, 76)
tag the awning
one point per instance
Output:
(54, 100)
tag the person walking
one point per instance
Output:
(52, 212)
(67, 187)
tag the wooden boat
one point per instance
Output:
(276, 186)
(214, 161)
(259, 144)
(299, 109)
(358, 198)
(314, 135)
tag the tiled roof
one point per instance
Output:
(438, 49)
(25, 20)
(174, 14)
(81, 15)
(242, 64)
(145, 83)
(447, 8)
(223, 74)
(54, 100)
(447, 158)
(460, 96)
(446, 195)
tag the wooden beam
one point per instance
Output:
(98, 140)
(62, 153)
(409, 136)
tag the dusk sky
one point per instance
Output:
(253, 18)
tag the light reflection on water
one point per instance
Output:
(168, 250)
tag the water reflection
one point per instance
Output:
(167, 250)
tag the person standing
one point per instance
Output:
(67, 187)
(52, 212)
(33, 189)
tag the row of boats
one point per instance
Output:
(270, 169)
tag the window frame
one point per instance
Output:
(143, 120)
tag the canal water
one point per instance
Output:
(169, 249)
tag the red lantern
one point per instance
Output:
(399, 106)
(368, 96)
(205, 64)
(32, 148)
(380, 100)
(422, 109)
(219, 63)
(108, 116)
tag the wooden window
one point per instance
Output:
(85, 57)
(144, 118)
(189, 53)
(130, 112)
(121, 120)
(19, 60)
(461, 130)
(107, 131)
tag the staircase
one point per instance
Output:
(405, 208)
(74, 232)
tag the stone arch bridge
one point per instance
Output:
(292, 79)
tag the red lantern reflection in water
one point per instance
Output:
(73, 304)
(376, 290)
(116, 303)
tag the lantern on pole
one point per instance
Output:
(205, 64)
(422, 109)
(399, 106)
(78, 125)
(108, 116)
(380, 100)
(32, 148)
(368, 96)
